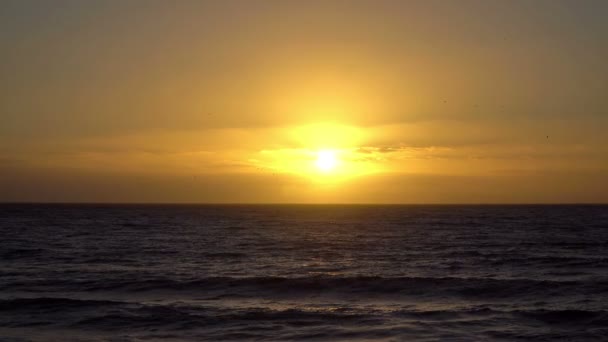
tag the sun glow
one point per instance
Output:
(326, 160)
(324, 153)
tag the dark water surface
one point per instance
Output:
(395, 273)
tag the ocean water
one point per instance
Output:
(292, 272)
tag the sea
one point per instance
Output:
(101, 272)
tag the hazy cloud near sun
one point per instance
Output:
(96, 186)
(426, 147)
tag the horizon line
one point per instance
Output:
(307, 203)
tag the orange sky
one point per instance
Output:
(231, 101)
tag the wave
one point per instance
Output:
(19, 253)
(51, 304)
(189, 317)
(104, 315)
(471, 288)
(587, 318)
(569, 317)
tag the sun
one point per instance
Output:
(326, 160)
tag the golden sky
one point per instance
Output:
(268, 101)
